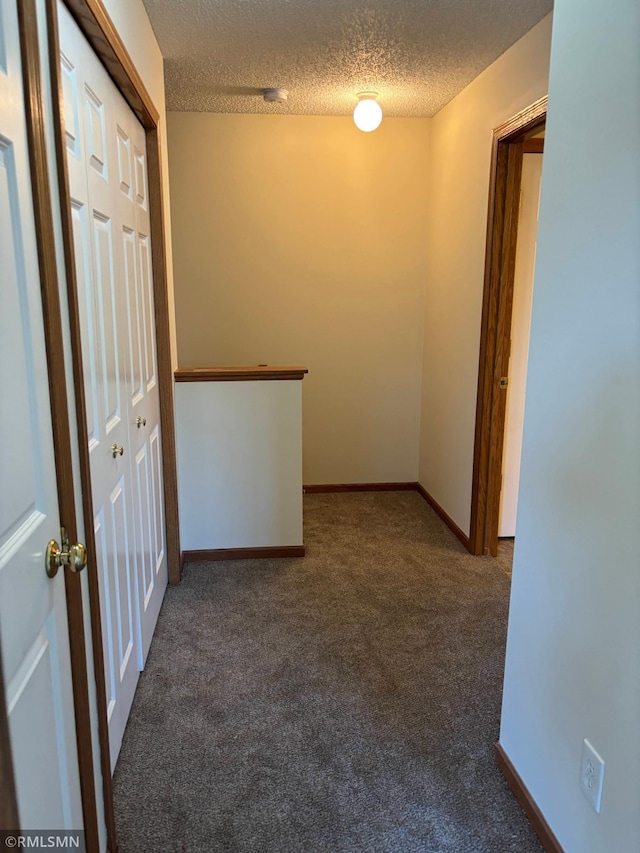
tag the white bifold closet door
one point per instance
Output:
(106, 155)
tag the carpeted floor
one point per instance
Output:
(505, 554)
(343, 703)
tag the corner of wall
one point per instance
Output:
(460, 152)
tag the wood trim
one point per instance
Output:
(522, 123)
(502, 348)
(237, 374)
(269, 553)
(453, 527)
(8, 801)
(101, 33)
(526, 802)
(533, 146)
(504, 187)
(81, 423)
(328, 488)
(43, 218)
(163, 354)
(495, 225)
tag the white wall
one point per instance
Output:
(573, 648)
(301, 240)
(239, 463)
(458, 180)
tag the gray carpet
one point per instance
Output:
(505, 554)
(341, 703)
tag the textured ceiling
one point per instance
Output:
(417, 54)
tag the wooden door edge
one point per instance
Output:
(502, 348)
(511, 131)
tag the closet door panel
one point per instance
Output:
(153, 574)
(94, 170)
(135, 375)
(102, 290)
(157, 504)
(90, 349)
(148, 328)
(143, 484)
(107, 157)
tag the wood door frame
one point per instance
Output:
(99, 30)
(35, 123)
(495, 335)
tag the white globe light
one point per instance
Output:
(367, 115)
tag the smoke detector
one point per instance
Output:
(275, 96)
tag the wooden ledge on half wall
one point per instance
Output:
(238, 374)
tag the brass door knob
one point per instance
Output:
(141, 422)
(75, 557)
(117, 450)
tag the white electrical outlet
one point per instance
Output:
(591, 775)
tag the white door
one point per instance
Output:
(33, 622)
(520, 331)
(106, 157)
(142, 374)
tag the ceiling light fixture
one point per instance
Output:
(368, 112)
